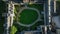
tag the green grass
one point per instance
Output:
(37, 6)
(58, 0)
(28, 16)
(13, 30)
(25, 13)
(58, 7)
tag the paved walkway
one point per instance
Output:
(33, 22)
(56, 20)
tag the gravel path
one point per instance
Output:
(33, 22)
